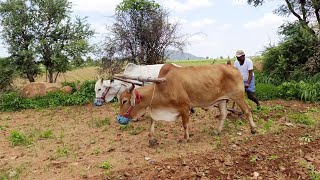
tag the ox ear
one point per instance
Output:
(131, 88)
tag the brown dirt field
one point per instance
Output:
(81, 140)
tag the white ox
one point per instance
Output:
(106, 90)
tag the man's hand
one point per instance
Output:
(246, 85)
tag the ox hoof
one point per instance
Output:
(253, 131)
(153, 142)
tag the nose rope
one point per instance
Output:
(154, 87)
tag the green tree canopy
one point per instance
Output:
(43, 32)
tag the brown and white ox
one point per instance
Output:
(183, 89)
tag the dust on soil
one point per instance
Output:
(86, 143)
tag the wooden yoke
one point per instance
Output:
(139, 78)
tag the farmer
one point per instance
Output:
(245, 66)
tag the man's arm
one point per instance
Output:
(249, 78)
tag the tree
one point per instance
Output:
(47, 32)
(17, 32)
(306, 11)
(142, 33)
(296, 56)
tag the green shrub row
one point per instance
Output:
(12, 101)
(289, 90)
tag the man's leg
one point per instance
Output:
(253, 97)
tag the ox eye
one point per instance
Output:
(124, 101)
(99, 89)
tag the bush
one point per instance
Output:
(300, 90)
(12, 101)
(291, 58)
(267, 91)
(7, 74)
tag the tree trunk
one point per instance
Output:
(30, 77)
(55, 79)
(50, 76)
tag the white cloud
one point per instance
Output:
(224, 27)
(239, 2)
(95, 6)
(202, 23)
(197, 38)
(267, 20)
(187, 5)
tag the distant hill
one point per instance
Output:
(177, 55)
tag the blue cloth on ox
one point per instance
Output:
(123, 120)
(252, 85)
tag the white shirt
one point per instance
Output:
(244, 68)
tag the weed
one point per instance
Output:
(105, 165)
(267, 125)
(63, 151)
(47, 134)
(17, 138)
(10, 173)
(3, 128)
(277, 107)
(272, 157)
(238, 123)
(137, 130)
(219, 143)
(253, 158)
(126, 127)
(313, 174)
(314, 110)
(96, 151)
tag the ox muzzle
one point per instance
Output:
(124, 119)
(98, 102)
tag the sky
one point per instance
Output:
(219, 27)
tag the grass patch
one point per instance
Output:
(63, 152)
(313, 174)
(17, 138)
(254, 158)
(3, 128)
(272, 157)
(46, 134)
(10, 173)
(126, 127)
(238, 123)
(302, 118)
(105, 165)
(97, 123)
(137, 130)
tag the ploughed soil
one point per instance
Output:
(85, 142)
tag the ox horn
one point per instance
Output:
(131, 88)
(101, 80)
